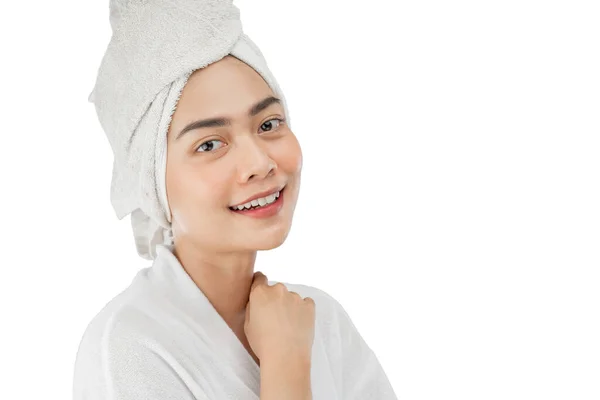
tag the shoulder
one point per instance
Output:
(118, 328)
(127, 349)
(124, 316)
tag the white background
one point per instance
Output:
(450, 193)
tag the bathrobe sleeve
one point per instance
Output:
(135, 371)
(122, 364)
(362, 375)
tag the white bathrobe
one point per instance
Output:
(161, 339)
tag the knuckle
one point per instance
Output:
(309, 300)
(259, 289)
(279, 286)
(295, 295)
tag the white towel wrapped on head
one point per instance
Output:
(154, 48)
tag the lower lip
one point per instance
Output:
(266, 211)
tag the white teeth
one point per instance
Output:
(259, 202)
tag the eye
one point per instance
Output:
(206, 146)
(268, 126)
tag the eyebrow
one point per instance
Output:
(221, 121)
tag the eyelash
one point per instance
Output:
(280, 120)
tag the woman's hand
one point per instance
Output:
(279, 323)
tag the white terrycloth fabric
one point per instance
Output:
(154, 48)
(161, 339)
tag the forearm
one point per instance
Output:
(285, 379)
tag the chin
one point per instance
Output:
(269, 242)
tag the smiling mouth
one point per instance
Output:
(264, 206)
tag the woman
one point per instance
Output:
(208, 167)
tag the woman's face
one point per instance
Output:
(212, 168)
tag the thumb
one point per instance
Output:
(258, 279)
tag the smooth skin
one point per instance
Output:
(280, 327)
(212, 168)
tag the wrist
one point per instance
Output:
(284, 357)
(286, 361)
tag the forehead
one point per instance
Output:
(225, 88)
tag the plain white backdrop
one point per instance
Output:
(450, 196)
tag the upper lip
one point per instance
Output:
(261, 194)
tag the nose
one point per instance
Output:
(255, 162)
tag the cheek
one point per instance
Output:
(206, 193)
(192, 190)
(289, 155)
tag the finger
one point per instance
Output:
(309, 300)
(278, 286)
(258, 279)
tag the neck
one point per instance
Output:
(224, 278)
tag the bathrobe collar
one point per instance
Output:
(169, 274)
